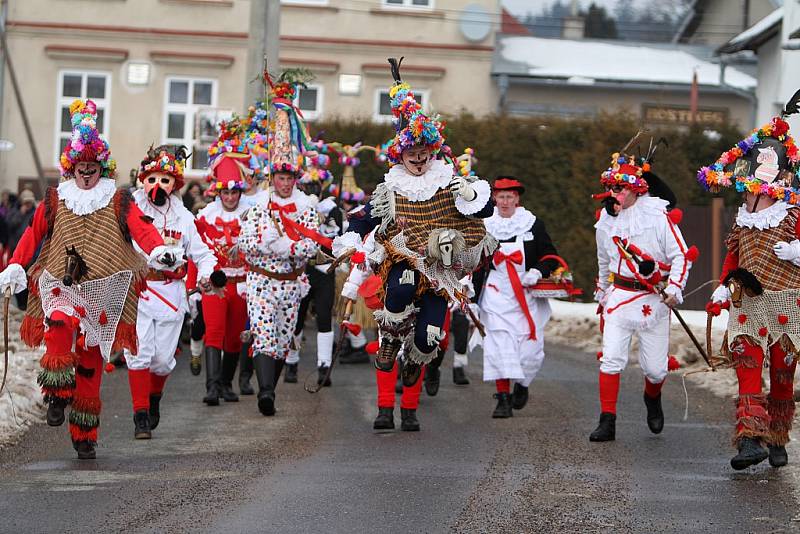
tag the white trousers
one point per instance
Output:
(158, 340)
(653, 349)
(514, 356)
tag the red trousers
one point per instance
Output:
(410, 397)
(225, 319)
(72, 376)
(766, 417)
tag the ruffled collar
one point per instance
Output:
(167, 216)
(215, 209)
(300, 200)
(646, 213)
(502, 228)
(418, 188)
(770, 217)
(85, 201)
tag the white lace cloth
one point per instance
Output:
(769, 217)
(85, 201)
(417, 188)
(503, 228)
(104, 296)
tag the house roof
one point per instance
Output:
(756, 35)
(510, 25)
(586, 62)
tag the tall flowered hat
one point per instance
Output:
(86, 143)
(169, 159)
(413, 127)
(289, 137)
(766, 162)
(230, 162)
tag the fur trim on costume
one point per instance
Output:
(781, 415)
(122, 207)
(126, 338)
(80, 434)
(752, 419)
(412, 354)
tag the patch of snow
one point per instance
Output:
(21, 403)
(608, 61)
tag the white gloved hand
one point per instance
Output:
(600, 296)
(13, 277)
(674, 292)
(721, 295)
(281, 246)
(461, 187)
(787, 251)
(194, 299)
(531, 277)
(350, 290)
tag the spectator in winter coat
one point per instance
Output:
(19, 217)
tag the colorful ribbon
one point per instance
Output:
(516, 284)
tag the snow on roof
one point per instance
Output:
(762, 26)
(589, 61)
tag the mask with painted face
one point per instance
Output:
(87, 174)
(158, 186)
(417, 160)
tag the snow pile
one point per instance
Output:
(21, 402)
(588, 60)
(577, 325)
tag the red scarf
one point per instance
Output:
(295, 230)
(516, 284)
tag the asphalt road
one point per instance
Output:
(317, 466)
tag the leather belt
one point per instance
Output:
(629, 284)
(293, 275)
(165, 276)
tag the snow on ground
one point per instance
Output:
(21, 402)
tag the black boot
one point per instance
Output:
(245, 372)
(607, 428)
(778, 457)
(213, 371)
(194, 365)
(433, 374)
(352, 355)
(387, 354)
(385, 419)
(85, 450)
(460, 377)
(503, 408)
(408, 420)
(141, 425)
(265, 368)
(411, 373)
(655, 415)
(322, 370)
(291, 373)
(155, 412)
(229, 362)
(519, 398)
(751, 452)
(55, 411)
(432, 379)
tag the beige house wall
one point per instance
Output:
(356, 38)
(723, 19)
(47, 37)
(592, 100)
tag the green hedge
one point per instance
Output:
(560, 162)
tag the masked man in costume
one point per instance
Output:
(83, 229)
(513, 350)
(762, 270)
(643, 266)
(225, 312)
(429, 235)
(278, 240)
(163, 304)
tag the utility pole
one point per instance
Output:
(265, 31)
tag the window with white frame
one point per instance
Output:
(383, 103)
(309, 101)
(73, 84)
(422, 4)
(185, 97)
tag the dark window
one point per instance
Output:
(175, 125)
(96, 87)
(202, 94)
(72, 85)
(179, 93)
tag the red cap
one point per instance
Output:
(508, 184)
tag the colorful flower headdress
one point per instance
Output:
(413, 127)
(773, 184)
(169, 159)
(628, 170)
(86, 143)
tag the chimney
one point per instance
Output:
(574, 26)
